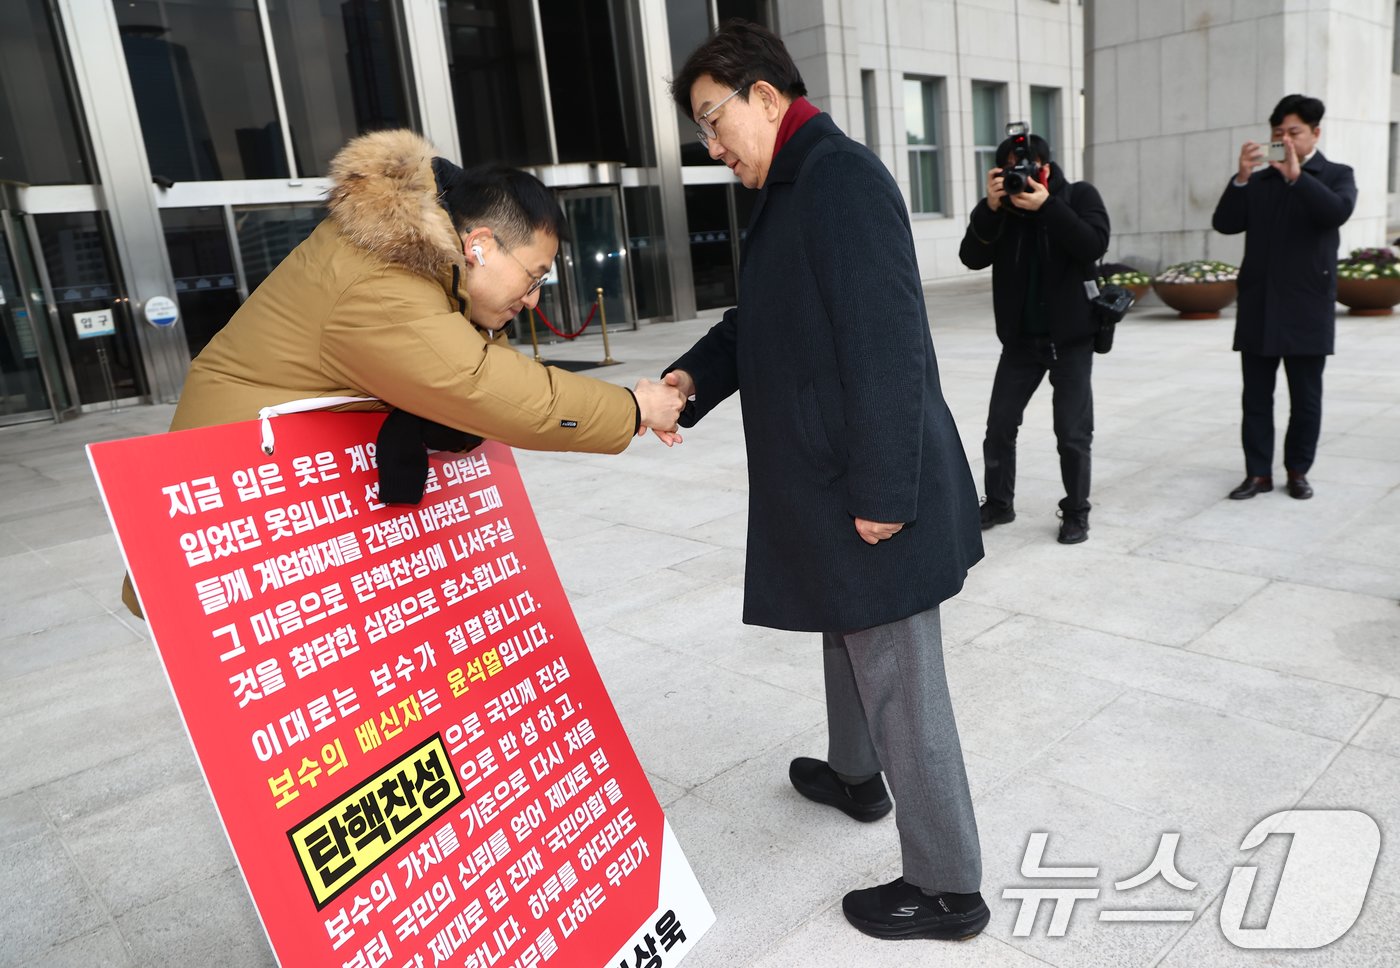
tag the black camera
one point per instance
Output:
(1020, 169)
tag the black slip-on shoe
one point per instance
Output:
(900, 910)
(994, 513)
(1251, 487)
(1298, 487)
(1074, 527)
(818, 782)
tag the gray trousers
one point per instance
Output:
(888, 709)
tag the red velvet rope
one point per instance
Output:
(544, 319)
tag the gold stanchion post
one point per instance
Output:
(603, 320)
(534, 339)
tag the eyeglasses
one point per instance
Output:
(707, 127)
(535, 281)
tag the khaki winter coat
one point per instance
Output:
(372, 304)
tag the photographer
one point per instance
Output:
(1041, 234)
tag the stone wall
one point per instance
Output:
(1021, 43)
(1175, 87)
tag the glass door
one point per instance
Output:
(596, 258)
(206, 276)
(712, 257)
(92, 321)
(32, 382)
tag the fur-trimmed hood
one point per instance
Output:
(384, 198)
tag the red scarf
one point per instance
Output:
(799, 113)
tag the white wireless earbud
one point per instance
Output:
(477, 254)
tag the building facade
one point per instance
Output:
(1179, 87)
(158, 158)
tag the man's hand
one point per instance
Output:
(995, 191)
(1291, 167)
(873, 532)
(684, 384)
(1032, 200)
(661, 405)
(682, 381)
(1251, 156)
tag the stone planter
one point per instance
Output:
(1196, 300)
(1369, 297)
(1138, 292)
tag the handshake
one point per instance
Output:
(661, 404)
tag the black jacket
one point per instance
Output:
(1070, 232)
(843, 412)
(1288, 283)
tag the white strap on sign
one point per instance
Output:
(300, 406)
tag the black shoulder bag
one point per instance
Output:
(1110, 303)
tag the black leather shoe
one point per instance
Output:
(900, 910)
(1251, 487)
(1074, 527)
(995, 513)
(1298, 486)
(818, 782)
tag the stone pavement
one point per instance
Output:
(1198, 665)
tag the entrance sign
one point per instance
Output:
(97, 323)
(407, 741)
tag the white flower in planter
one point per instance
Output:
(1199, 270)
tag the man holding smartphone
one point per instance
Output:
(1291, 211)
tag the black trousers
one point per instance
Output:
(1304, 415)
(1019, 372)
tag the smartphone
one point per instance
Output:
(1276, 152)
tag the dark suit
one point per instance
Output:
(844, 417)
(1287, 299)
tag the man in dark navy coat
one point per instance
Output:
(1290, 212)
(862, 509)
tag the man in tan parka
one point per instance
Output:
(399, 294)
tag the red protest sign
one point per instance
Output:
(406, 739)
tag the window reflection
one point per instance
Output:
(1045, 114)
(341, 74)
(496, 90)
(646, 247)
(921, 105)
(753, 10)
(598, 254)
(689, 24)
(206, 285)
(22, 389)
(267, 235)
(987, 126)
(711, 250)
(592, 86)
(199, 71)
(39, 133)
